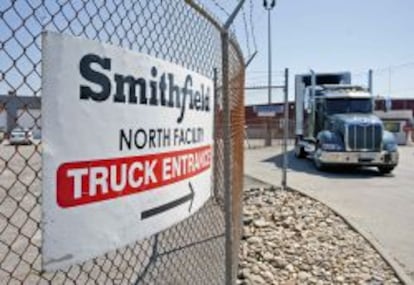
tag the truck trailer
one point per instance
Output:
(336, 126)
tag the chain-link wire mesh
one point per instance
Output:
(259, 123)
(256, 129)
(191, 252)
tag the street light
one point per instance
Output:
(269, 6)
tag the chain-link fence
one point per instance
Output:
(256, 129)
(256, 132)
(191, 252)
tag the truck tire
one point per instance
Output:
(300, 152)
(385, 169)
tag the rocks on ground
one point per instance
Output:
(289, 238)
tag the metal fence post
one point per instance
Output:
(215, 154)
(227, 159)
(231, 246)
(231, 259)
(285, 130)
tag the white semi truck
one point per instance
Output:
(335, 124)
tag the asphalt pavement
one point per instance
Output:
(381, 206)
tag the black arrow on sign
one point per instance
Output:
(165, 207)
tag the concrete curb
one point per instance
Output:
(398, 269)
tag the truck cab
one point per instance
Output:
(338, 127)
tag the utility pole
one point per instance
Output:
(269, 6)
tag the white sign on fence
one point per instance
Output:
(127, 147)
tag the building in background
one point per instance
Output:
(256, 120)
(398, 116)
(398, 122)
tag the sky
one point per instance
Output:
(323, 35)
(331, 36)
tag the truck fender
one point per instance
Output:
(388, 138)
(389, 142)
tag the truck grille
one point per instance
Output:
(364, 137)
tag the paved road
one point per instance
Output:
(383, 206)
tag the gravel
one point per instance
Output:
(289, 238)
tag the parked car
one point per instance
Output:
(20, 136)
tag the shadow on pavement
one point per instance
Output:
(340, 172)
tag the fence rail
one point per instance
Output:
(191, 252)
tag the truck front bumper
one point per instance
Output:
(383, 158)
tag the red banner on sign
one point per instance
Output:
(85, 182)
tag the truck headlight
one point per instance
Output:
(331, 146)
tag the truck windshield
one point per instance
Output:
(348, 105)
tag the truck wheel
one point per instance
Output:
(300, 151)
(385, 169)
